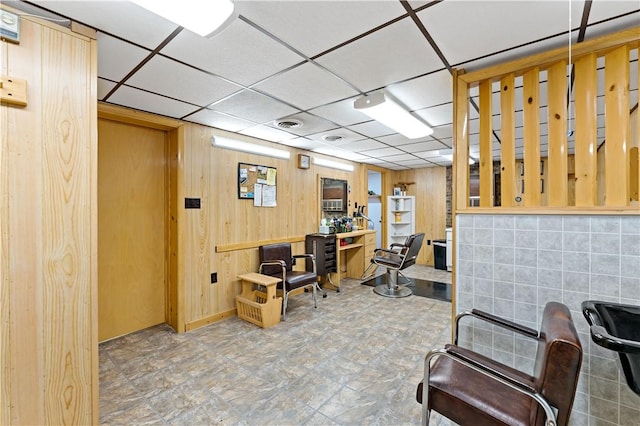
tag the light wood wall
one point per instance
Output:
(48, 222)
(224, 234)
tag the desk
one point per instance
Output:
(353, 258)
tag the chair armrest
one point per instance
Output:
(299, 256)
(469, 359)
(495, 320)
(307, 256)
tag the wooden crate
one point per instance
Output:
(259, 310)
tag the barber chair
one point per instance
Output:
(276, 260)
(395, 259)
(472, 389)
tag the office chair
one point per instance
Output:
(469, 388)
(395, 259)
(276, 260)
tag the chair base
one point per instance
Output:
(386, 291)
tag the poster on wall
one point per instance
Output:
(257, 183)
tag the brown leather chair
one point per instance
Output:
(276, 260)
(395, 259)
(470, 388)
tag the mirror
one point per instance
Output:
(334, 193)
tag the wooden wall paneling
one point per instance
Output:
(68, 237)
(531, 102)
(634, 140)
(556, 185)
(585, 89)
(173, 312)
(617, 127)
(461, 143)
(23, 387)
(507, 137)
(5, 336)
(486, 137)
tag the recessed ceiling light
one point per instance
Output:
(332, 138)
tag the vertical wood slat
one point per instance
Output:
(636, 161)
(531, 94)
(486, 160)
(557, 184)
(617, 126)
(585, 89)
(461, 144)
(507, 141)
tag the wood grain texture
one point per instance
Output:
(460, 144)
(531, 102)
(131, 231)
(486, 149)
(585, 89)
(557, 183)
(49, 264)
(507, 141)
(616, 88)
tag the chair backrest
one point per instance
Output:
(413, 244)
(280, 251)
(558, 362)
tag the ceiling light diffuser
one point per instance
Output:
(203, 17)
(384, 110)
(333, 164)
(252, 148)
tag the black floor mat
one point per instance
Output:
(423, 288)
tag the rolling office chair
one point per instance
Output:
(395, 259)
(276, 260)
(470, 388)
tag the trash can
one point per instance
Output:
(440, 254)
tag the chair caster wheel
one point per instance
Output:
(324, 296)
(338, 291)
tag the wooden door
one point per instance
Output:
(131, 228)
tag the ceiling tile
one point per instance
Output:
(253, 106)
(129, 56)
(104, 87)
(312, 26)
(382, 152)
(310, 124)
(372, 129)
(438, 115)
(398, 139)
(488, 23)
(602, 10)
(218, 120)
(120, 18)
(342, 113)
(149, 102)
(422, 146)
(306, 86)
(268, 133)
(429, 90)
(239, 53)
(363, 145)
(303, 143)
(346, 134)
(389, 55)
(398, 157)
(170, 78)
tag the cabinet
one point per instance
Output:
(401, 218)
(323, 247)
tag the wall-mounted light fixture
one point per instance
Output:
(203, 17)
(333, 164)
(384, 110)
(252, 148)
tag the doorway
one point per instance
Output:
(374, 206)
(132, 231)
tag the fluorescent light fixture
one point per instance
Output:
(333, 164)
(384, 110)
(203, 17)
(252, 148)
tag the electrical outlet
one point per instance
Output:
(428, 242)
(214, 277)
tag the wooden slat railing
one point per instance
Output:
(545, 82)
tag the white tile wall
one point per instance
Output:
(512, 265)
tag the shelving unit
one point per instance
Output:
(401, 218)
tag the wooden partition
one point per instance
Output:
(551, 110)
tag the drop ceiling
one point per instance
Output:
(309, 60)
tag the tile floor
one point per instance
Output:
(354, 360)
